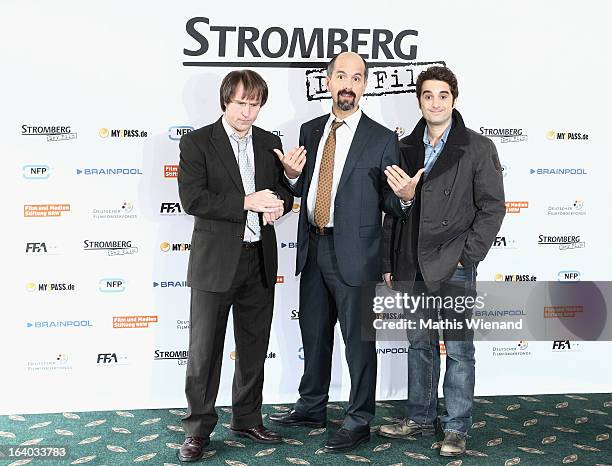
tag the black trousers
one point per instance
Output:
(325, 299)
(252, 303)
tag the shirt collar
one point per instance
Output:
(351, 121)
(229, 130)
(442, 139)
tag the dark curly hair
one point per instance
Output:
(438, 73)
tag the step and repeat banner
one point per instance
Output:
(95, 308)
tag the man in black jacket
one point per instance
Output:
(231, 181)
(450, 184)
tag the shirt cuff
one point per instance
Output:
(405, 204)
(292, 181)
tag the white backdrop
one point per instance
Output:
(541, 69)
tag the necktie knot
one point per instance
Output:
(336, 124)
(242, 141)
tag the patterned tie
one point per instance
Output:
(248, 179)
(326, 178)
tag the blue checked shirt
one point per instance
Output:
(431, 152)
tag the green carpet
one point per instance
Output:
(507, 430)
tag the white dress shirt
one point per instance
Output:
(344, 138)
(249, 236)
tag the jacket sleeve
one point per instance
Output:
(195, 196)
(490, 207)
(389, 224)
(390, 202)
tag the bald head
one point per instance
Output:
(349, 59)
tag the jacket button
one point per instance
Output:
(444, 222)
(398, 251)
(404, 221)
(446, 192)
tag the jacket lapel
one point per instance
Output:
(260, 160)
(312, 148)
(222, 145)
(357, 147)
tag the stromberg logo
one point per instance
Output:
(171, 171)
(520, 349)
(558, 171)
(42, 248)
(45, 210)
(515, 207)
(290, 245)
(124, 211)
(36, 172)
(174, 247)
(61, 362)
(569, 276)
(109, 171)
(564, 241)
(170, 284)
(59, 324)
(575, 208)
(122, 133)
(113, 248)
(176, 132)
(170, 208)
(295, 314)
(567, 136)
(503, 242)
(50, 287)
(505, 134)
(500, 277)
(180, 356)
(499, 312)
(133, 321)
(111, 285)
(52, 133)
(396, 350)
(110, 359)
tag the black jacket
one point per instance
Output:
(210, 188)
(457, 210)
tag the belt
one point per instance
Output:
(325, 231)
(250, 244)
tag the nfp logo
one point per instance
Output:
(36, 172)
(568, 276)
(111, 285)
(176, 132)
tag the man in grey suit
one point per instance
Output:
(344, 191)
(450, 183)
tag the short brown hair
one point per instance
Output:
(438, 73)
(254, 87)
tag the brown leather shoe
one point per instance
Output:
(258, 434)
(192, 449)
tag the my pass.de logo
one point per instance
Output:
(505, 135)
(61, 287)
(51, 132)
(122, 133)
(112, 248)
(36, 172)
(558, 171)
(109, 171)
(176, 132)
(174, 247)
(566, 136)
(515, 277)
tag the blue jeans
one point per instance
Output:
(424, 369)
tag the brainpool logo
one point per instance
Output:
(558, 171)
(176, 132)
(46, 324)
(289, 245)
(112, 285)
(109, 171)
(112, 248)
(566, 136)
(36, 172)
(122, 133)
(122, 211)
(52, 133)
(170, 284)
(505, 134)
(174, 247)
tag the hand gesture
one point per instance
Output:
(293, 162)
(402, 185)
(262, 201)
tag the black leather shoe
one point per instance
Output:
(258, 434)
(192, 449)
(345, 440)
(292, 418)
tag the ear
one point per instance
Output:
(327, 80)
